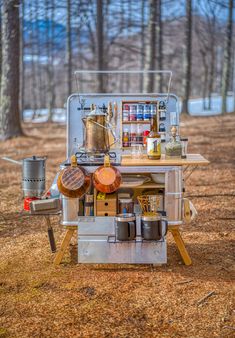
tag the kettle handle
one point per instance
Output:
(166, 229)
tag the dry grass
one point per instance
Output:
(39, 300)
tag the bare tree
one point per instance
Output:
(0, 50)
(50, 57)
(150, 61)
(9, 111)
(188, 45)
(100, 44)
(142, 43)
(68, 48)
(22, 68)
(159, 44)
(227, 57)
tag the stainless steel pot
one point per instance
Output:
(33, 176)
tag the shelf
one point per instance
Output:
(150, 185)
(136, 122)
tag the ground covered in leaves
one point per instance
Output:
(40, 300)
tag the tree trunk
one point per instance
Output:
(151, 46)
(160, 45)
(142, 44)
(9, 111)
(213, 59)
(100, 44)
(33, 68)
(50, 65)
(0, 52)
(22, 68)
(69, 49)
(227, 57)
(187, 79)
(204, 78)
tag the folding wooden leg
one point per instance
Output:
(64, 245)
(180, 245)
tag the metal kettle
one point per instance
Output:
(97, 132)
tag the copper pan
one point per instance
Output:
(107, 178)
(74, 181)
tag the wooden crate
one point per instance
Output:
(108, 206)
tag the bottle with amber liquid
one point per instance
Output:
(154, 141)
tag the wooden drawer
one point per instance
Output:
(106, 213)
(106, 205)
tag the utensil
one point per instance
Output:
(74, 181)
(149, 204)
(107, 178)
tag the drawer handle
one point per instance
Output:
(106, 214)
(106, 203)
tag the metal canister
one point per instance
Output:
(33, 176)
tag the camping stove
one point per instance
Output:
(88, 159)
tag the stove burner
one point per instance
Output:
(95, 159)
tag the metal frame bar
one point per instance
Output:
(77, 72)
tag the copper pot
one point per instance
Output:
(74, 181)
(107, 178)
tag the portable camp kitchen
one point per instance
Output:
(97, 240)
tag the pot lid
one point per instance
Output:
(96, 112)
(125, 200)
(34, 158)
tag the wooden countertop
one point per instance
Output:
(192, 159)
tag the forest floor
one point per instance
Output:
(40, 300)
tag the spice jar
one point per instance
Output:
(133, 112)
(153, 110)
(140, 112)
(162, 105)
(133, 134)
(145, 135)
(147, 112)
(162, 127)
(125, 113)
(162, 115)
(125, 138)
(139, 134)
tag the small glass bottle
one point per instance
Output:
(184, 144)
(173, 148)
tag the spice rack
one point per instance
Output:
(135, 121)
